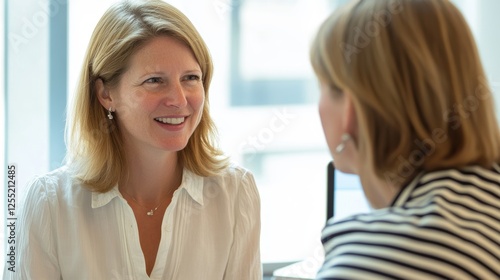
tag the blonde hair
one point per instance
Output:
(95, 144)
(419, 90)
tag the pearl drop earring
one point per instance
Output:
(110, 111)
(340, 148)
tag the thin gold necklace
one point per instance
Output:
(150, 212)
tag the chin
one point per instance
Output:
(346, 170)
(173, 147)
(342, 166)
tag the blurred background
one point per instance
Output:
(263, 98)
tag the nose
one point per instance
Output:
(176, 95)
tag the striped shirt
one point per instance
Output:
(443, 225)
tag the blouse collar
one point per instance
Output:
(191, 183)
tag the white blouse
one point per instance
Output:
(211, 230)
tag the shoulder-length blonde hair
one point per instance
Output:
(95, 144)
(419, 90)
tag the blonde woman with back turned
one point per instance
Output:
(405, 105)
(145, 193)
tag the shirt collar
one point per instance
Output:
(101, 199)
(191, 182)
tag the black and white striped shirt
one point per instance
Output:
(443, 225)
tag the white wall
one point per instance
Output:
(27, 91)
(27, 127)
(482, 16)
(488, 39)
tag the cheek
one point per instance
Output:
(327, 114)
(324, 113)
(197, 101)
(330, 120)
(128, 103)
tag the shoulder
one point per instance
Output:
(475, 182)
(40, 199)
(446, 215)
(236, 181)
(53, 180)
(235, 170)
(369, 245)
(51, 186)
(234, 175)
(47, 184)
(355, 227)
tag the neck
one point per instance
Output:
(151, 175)
(379, 193)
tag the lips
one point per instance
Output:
(171, 121)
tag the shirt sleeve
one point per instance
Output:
(244, 259)
(36, 256)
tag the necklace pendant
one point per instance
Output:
(150, 213)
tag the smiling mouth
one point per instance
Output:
(172, 121)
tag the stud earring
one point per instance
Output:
(340, 148)
(110, 111)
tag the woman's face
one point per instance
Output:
(335, 113)
(338, 116)
(159, 100)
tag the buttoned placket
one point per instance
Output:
(165, 241)
(133, 246)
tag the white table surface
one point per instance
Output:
(304, 270)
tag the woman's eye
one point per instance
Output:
(154, 80)
(192, 77)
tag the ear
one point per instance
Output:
(350, 119)
(103, 94)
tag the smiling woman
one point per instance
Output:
(145, 193)
(159, 99)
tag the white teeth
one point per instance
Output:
(171, 120)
